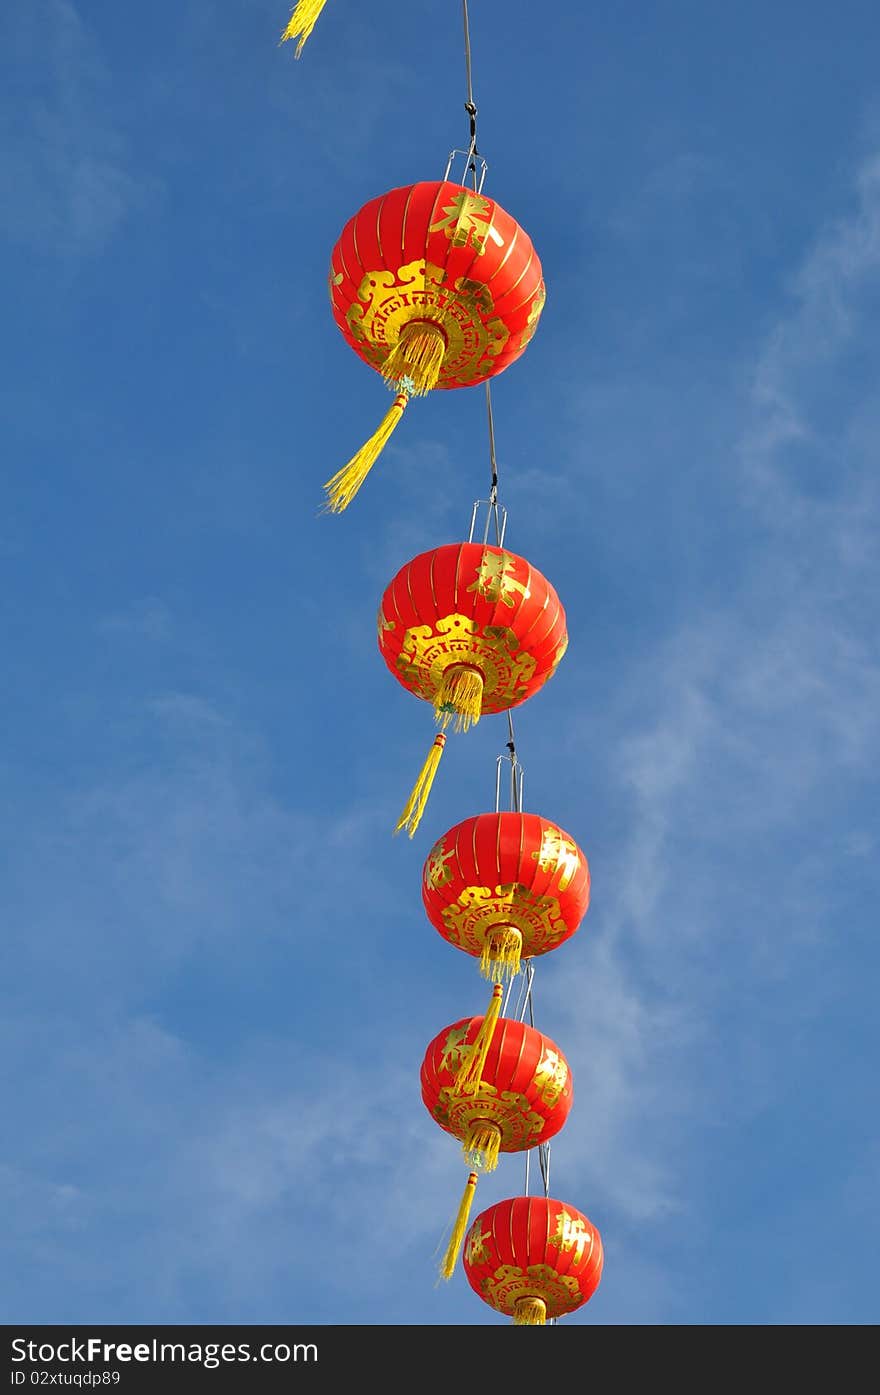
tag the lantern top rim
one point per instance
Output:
(436, 184)
(478, 547)
(527, 1028)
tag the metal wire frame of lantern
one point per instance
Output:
(521, 1100)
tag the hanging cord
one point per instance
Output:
(493, 486)
(470, 105)
(526, 1001)
(515, 784)
(472, 156)
(543, 1149)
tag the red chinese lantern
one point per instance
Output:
(505, 886)
(533, 1258)
(498, 1092)
(432, 285)
(471, 629)
(523, 1097)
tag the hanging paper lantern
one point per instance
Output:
(302, 22)
(524, 1094)
(499, 1086)
(471, 629)
(505, 886)
(433, 285)
(533, 1258)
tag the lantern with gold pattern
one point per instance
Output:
(533, 1258)
(517, 1098)
(506, 886)
(434, 286)
(471, 629)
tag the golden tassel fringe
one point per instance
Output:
(529, 1312)
(418, 356)
(482, 1146)
(453, 1249)
(303, 21)
(470, 1072)
(502, 950)
(415, 805)
(460, 695)
(345, 484)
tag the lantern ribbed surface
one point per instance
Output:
(471, 606)
(525, 1091)
(495, 872)
(437, 254)
(532, 1252)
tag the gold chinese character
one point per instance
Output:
(454, 1048)
(468, 216)
(436, 872)
(493, 581)
(534, 314)
(476, 1244)
(550, 1077)
(558, 854)
(571, 1234)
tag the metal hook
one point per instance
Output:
(469, 156)
(494, 511)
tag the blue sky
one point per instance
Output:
(218, 981)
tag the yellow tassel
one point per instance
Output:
(470, 1072)
(415, 805)
(529, 1312)
(418, 355)
(447, 1266)
(303, 21)
(460, 695)
(345, 484)
(482, 1146)
(502, 949)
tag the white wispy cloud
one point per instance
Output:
(735, 734)
(67, 180)
(831, 299)
(740, 739)
(147, 619)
